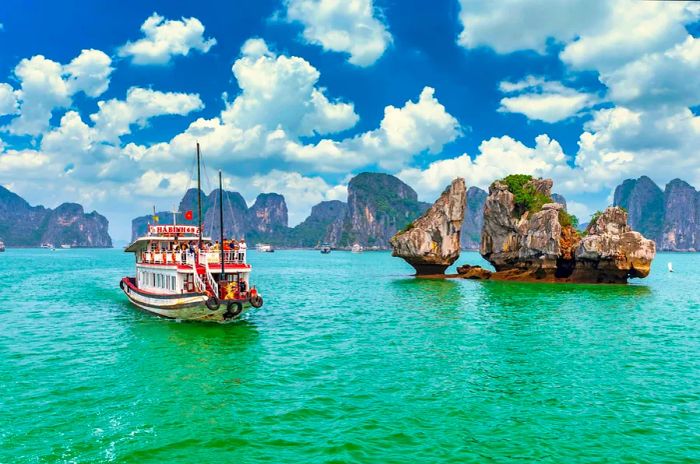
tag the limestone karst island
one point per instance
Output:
(349, 231)
(526, 235)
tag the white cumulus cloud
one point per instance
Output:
(543, 100)
(46, 85)
(164, 39)
(8, 100)
(280, 91)
(115, 117)
(346, 26)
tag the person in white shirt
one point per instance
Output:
(242, 247)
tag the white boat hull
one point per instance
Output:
(186, 307)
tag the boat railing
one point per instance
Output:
(210, 278)
(185, 257)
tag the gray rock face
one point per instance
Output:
(681, 226)
(25, 225)
(69, 225)
(511, 241)
(525, 246)
(431, 243)
(473, 218)
(319, 225)
(671, 218)
(235, 215)
(268, 213)
(644, 202)
(379, 205)
(556, 198)
(612, 252)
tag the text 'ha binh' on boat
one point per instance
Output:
(178, 276)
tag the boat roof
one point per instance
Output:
(136, 244)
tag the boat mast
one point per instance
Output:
(221, 224)
(199, 198)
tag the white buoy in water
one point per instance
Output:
(670, 267)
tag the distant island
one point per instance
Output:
(23, 225)
(379, 205)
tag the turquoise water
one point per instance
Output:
(349, 360)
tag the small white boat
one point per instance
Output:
(325, 248)
(48, 246)
(2, 246)
(357, 248)
(64, 246)
(264, 248)
(670, 266)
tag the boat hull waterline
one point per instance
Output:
(186, 306)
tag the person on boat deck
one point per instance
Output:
(242, 287)
(243, 247)
(215, 247)
(226, 247)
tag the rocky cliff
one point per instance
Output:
(268, 213)
(681, 222)
(68, 224)
(473, 218)
(265, 219)
(431, 243)
(670, 217)
(378, 206)
(324, 222)
(644, 202)
(527, 236)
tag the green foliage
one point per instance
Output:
(595, 216)
(408, 227)
(526, 198)
(566, 219)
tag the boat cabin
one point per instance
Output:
(169, 261)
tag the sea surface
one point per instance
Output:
(350, 360)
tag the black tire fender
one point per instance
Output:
(234, 309)
(213, 303)
(256, 301)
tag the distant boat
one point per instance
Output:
(670, 266)
(64, 246)
(2, 246)
(48, 245)
(357, 248)
(325, 248)
(264, 248)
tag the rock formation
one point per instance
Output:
(379, 205)
(268, 213)
(473, 218)
(681, 225)
(644, 202)
(319, 225)
(611, 252)
(529, 242)
(68, 224)
(670, 217)
(431, 243)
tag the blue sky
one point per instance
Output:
(100, 103)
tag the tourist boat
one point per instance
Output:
(357, 248)
(325, 248)
(2, 246)
(178, 278)
(64, 246)
(47, 245)
(264, 248)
